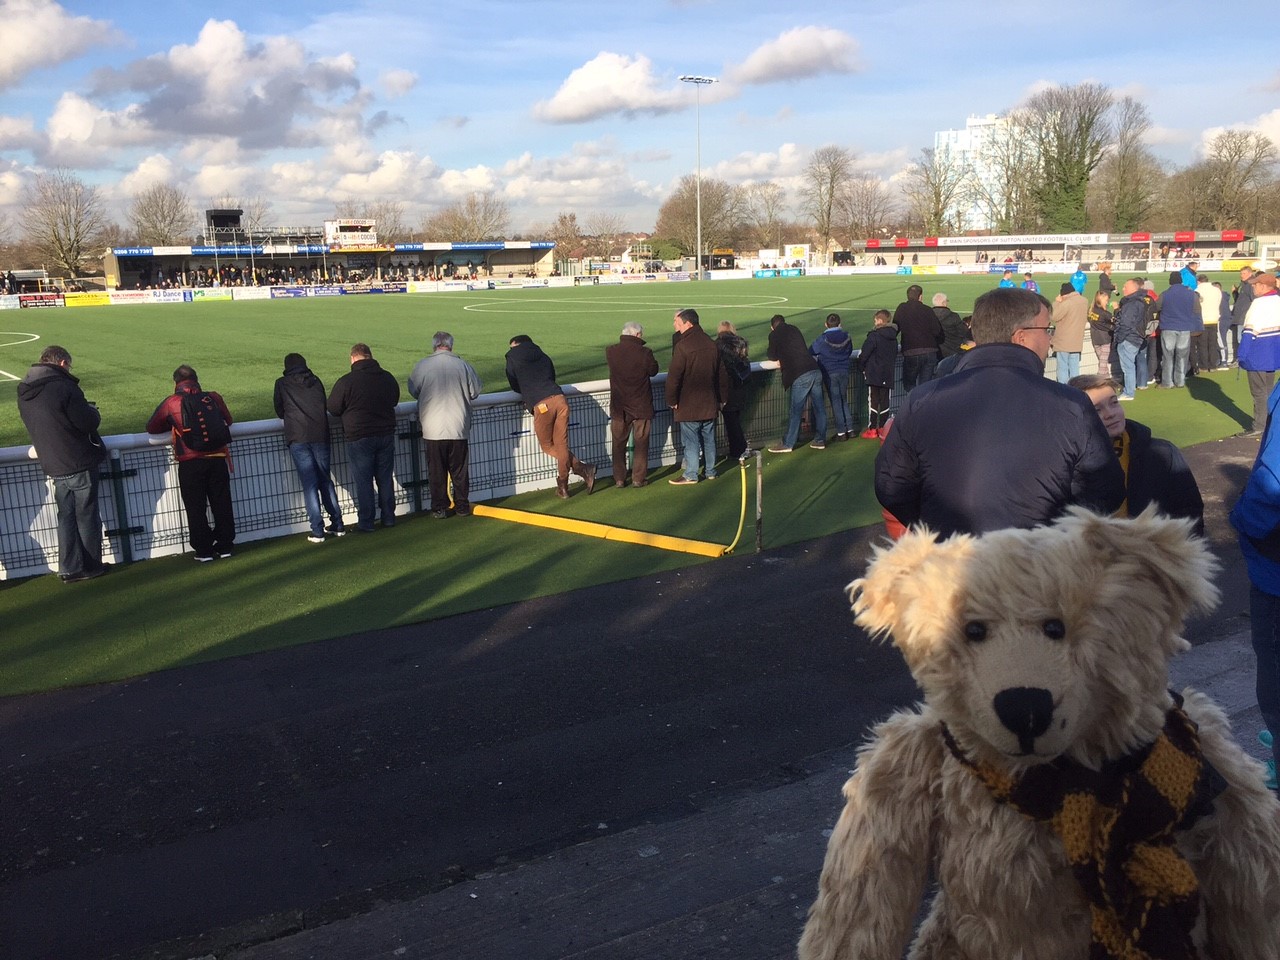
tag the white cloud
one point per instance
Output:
(82, 134)
(455, 184)
(787, 161)
(798, 53)
(152, 170)
(397, 83)
(40, 33)
(1167, 136)
(19, 133)
(611, 83)
(399, 174)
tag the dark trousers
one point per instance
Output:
(373, 461)
(448, 461)
(621, 427)
(79, 525)
(205, 483)
(1260, 383)
(918, 368)
(1205, 350)
(733, 431)
(877, 407)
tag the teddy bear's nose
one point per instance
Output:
(1026, 711)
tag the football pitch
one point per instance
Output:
(125, 355)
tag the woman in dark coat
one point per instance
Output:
(733, 355)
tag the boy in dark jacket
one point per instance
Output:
(876, 360)
(300, 402)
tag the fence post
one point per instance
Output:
(123, 530)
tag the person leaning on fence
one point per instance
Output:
(63, 427)
(833, 349)
(631, 364)
(735, 356)
(299, 401)
(204, 464)
(697, 386)
(445, 386)
(802, 379)
(366, 401)
(532, 374)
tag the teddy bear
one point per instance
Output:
(1060, 802)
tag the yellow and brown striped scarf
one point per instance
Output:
(1117, 826)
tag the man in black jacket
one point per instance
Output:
(366, 400)
(300, 402)
(802, 378)
(995, 444)
(922, 335)
(531, 374)
(63, 427)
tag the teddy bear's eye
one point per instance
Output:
(975, 631)
(1054, 629)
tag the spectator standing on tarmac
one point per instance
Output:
(802, 378)
(366, 401)
(1260, 346)
(922, 335)
(199, 421)
(697, 385)
(833, 349)
(299, 401)
(1179, 319)
(955, 332)
(445, 386)
(1243, 297)
(63, 427)
(531, 374)
(1256, 517)
(631, 365)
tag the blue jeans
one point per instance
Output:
(1177, 346)
(1140, 365)
(1068, 366)
(1129, 366)
(79, 525)
(837, 385)
(698, 440)
(807, 386)
(1264, 625)
(312, 462)
(372, 460)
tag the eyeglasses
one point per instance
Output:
(1050, 329)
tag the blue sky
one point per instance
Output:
(565, 104)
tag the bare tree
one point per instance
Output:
(1238, 166)
(1071, 129)
(935, 191)
(63, 217)
(863, 206)
(605, 232)
(478, 216)
(721, 214)
(566, 235)
(763, 207)
(257, 213)
(1124, 189)
(161, 215)
(827, 173)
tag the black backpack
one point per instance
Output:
(203, 427)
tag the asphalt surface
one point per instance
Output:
(284, 798)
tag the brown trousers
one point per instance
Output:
(551, 427)
(622, 426)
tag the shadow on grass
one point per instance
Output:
(1210, 391)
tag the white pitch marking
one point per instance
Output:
(5, 375)
(614, 306)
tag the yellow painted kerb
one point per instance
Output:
(602, 530)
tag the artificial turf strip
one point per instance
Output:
(171, 611)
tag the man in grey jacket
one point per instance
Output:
(445, 386)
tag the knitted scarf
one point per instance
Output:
(1117, 826)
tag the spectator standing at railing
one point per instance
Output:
(445, 386)
(833, 349)
(802, 379)
(532, 374)
(697, 390)
(63, 427)
(366, 401)
(299, 401)
(204, 475)
(631, 364)
(922, 335)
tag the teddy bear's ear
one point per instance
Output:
(1160, 553)
(914, 574)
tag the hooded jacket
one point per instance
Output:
(833, 349)
(531, 374)
(62, 424)
(300, 402)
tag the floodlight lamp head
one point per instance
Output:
(691, 78)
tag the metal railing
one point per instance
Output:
(142, 510)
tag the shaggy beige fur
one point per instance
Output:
(1004, 891)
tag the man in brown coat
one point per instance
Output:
(1070, 317)
(697, 385)
(631, 364)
